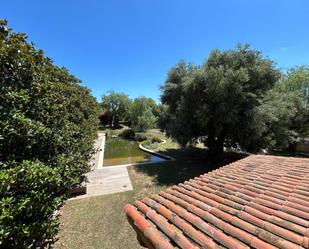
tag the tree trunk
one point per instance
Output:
(215, 145)
(110, 121)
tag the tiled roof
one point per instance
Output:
(256, 202)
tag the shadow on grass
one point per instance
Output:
(188, 163)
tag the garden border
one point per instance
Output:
(156, 153)
(99, 155)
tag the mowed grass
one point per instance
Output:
(99, 222)
(156, 133)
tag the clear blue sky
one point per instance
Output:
(129, 45)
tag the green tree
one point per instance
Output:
(296, 80)
(142, 113)
(116, 105)
(155, 108)
(286, 109)
(279, 112)
(218, 101)
(48, 123)
(146, 121)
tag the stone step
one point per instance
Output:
(106, 174)
(99, 189)
(108, 180)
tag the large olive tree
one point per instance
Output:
(218, 101)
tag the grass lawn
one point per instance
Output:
(99, 222)
(156, 133)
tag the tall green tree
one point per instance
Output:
(218, 100)
(286, 109)
(296, 80)
(48, 123)
(143, 113)
(116, 105)
(280, 116)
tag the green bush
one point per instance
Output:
(28, 196)
(48, 123)
(156, 140)
(151, 144)
(127, 134)
(140, 137)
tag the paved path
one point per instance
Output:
(99, 145)
(105, 180)
(108, 181)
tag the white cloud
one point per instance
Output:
(283, 48)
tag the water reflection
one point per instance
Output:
(122, 151)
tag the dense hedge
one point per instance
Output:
(47, 126)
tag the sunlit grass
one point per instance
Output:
(99, 222)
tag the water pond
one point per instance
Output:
(121, 151)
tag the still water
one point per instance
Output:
(121, 151)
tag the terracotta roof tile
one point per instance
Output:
(256, 202)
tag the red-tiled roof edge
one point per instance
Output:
(155, 240)
(266, 192)
(145, 232)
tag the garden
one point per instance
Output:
(236, 103)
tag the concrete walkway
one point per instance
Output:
(108, 181)
(99, 145)
(105, 180)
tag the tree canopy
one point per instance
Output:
(143, 113)
(286, 108)
(116, 105)
(218, 101)
(296, 80)
(48, 123)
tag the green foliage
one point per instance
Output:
(140, 137)
(296, 82)
(155, 139)
(152, 142)
(277, 114)
(146, 121)
(142, 113)
(28, 193)
(127, 134)
(116, 105)
(155, 108)
(285, 109)
(48, 119)
(217, 101)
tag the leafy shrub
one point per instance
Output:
(156, 140)
(28, 196)
(127, 134)
(149, 144)
(140, 137)
(146, 143)
(47, 126)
